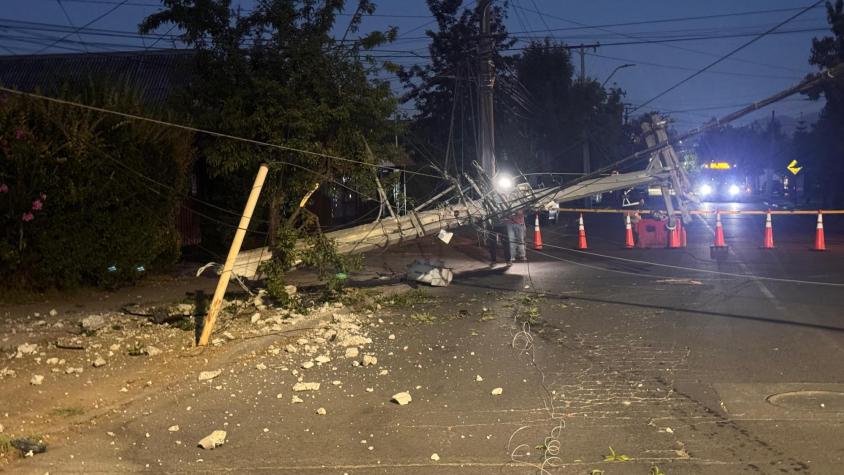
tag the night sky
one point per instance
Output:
(772, 64)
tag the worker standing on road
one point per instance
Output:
(516, 234)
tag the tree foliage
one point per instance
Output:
(824, 144)
(277, 74)
(73, 207)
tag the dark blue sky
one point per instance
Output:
(772, 64)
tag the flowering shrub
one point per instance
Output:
(99, 213)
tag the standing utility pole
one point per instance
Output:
(584, 135)
(487, 81)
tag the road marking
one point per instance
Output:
(759, 284)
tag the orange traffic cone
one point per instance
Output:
(769, 233)
(674, 236)
(628, 239)
(719, 231)
(537, 235)
(581, 234)
(820, 243)
(683, 240)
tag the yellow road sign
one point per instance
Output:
(793, 168)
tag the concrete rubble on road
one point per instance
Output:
(209, 375)
(402, 398)
(213, 440)
(300, 386)
(497, 391)
(93, 323)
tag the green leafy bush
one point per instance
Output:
(86, 198)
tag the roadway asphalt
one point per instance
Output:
(692, 372)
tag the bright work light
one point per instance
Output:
(704, 190)
(504, 182)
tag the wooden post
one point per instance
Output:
(219, 293)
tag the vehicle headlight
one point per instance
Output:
(704, 190)
(734, 190)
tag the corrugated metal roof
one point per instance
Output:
(154, 73)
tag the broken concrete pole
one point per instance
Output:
(214, 439)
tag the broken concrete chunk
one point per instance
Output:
(321, 411)
(36, 380)
(214, 439)
(100, 361)
(369, 360)
(306, 387)
(150, 350)
(322, 359)
(296, 400)
(209, 375)
(260, 366)
(435, 457)
(53, 312)
(291, 349)
(391, 337)
(478, 378)
(71, 370)
(255, 317)
(434, 275)
(352, 352)
(402, 398)
(173, 428)
(93, 323)
(497, 391)
(25, 349)
(307, 365)
(52, 361)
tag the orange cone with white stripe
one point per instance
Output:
(769, 233)
(537, 235)
(581, 234)
(674, 235)
(820, 242)
(719, 230)
(628, 238)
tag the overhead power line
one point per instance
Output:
(201, 131)
(730, 53)
(77, 30)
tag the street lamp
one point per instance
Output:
(614, 71)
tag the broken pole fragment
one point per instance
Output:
(222, 284)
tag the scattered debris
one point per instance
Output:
(435, 457)
(36, 380)
(352, 352)
(497, 391)
(308, 364)
(478, 378)
(321, 411)
(260, 366)
(391, 337)
(306, 387)
(151, 351)
(25, 349)
(402, 398)
(209, 375)
(53, 312)
(29, 446)
(173, 428)
(72, 370)
(99, 362)
(322, 359)
(296, 400)
(291, 349)
(427, 273)
(214, 439)
(369, 360)
(93, 323)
